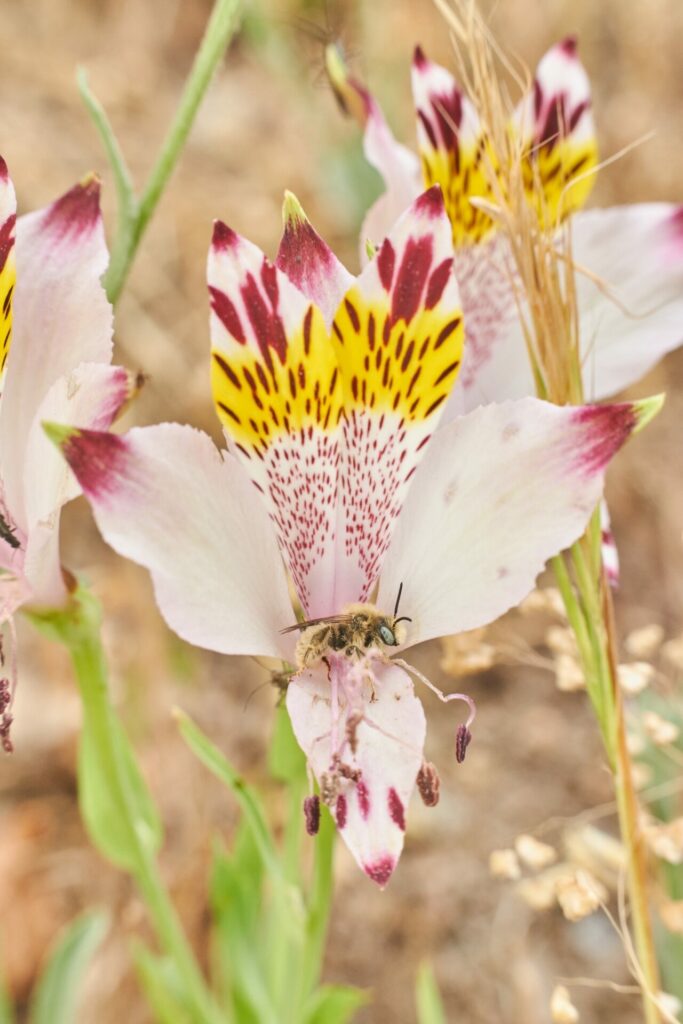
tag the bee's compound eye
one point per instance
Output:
(387, 637)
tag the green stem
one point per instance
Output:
(217, 35)
(591, 616)
(320, 902)
(79, 630)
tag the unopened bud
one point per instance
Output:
(428, 784)
(312, 814)
(562, 1009)
(463, 738)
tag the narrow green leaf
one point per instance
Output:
(334, 1004)
(110, 824)
(122, 177)
(161, 986)
(286, 758)
(427, 997)
(57, 992)
(216, 762)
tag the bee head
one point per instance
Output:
(391, 632)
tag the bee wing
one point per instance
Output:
(316, 622)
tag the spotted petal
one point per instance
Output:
(278, 394)
(164, 497)
(555, 125)
(453, 151)
(8, 211)
(398, 335)
(629, 286)
(499, 491)
(371, 812)
(61, 316)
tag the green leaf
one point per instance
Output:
(427, 997)
(286, 758)
(110, 824)
(57, 992)
(160, 984)
(334, 1004)
(216, 762)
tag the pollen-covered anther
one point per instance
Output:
(463, 738)
(6, 718)
(312, 814)
(428, 784)
(352, 722)
(329, 787)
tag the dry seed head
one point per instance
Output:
(580, 895)
(672, 652)
(569, 676)
(562, 1010)
(669, 1004)
(636, 744)
(534, 854)
(504, 864)
(599, 853)
(540, 892)
(671, 914)
(635, 676)
(547, 600)
(466, 654)
(641, 774)
(661, 731)
(561, 640)
(666, 841)
(644, 642)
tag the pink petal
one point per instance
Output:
(164, 497)
(277, 389)
(370, 812)
(631, 311)
(91, 396)
(499, 491)
(309, 263)
(398, 335)
(61, 315)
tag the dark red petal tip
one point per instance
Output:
(4, 173)
(419, 59)
(570, 45)
(223, 237)
(78, 210)
(380, 870)
(431, 202)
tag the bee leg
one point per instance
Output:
(329, 667)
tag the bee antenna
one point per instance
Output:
(404, 618)
(398, 599)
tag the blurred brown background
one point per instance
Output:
(270, 123)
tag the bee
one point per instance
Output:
(358, 629)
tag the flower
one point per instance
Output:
(330, 389)
(629, 259)
(55, 351)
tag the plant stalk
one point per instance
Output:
(134, 219)
(79, 630)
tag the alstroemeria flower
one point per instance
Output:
(629, 259)
(56, 344)
(330, 389)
